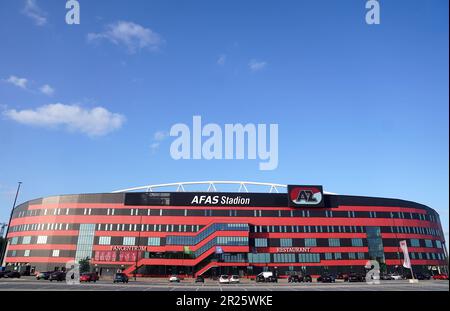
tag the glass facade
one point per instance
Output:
(85, 241)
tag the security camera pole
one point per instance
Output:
(3, 253)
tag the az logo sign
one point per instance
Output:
(305, 196)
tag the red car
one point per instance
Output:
(89, 277)
(440, 277)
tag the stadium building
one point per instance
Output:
(151, 231)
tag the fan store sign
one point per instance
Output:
(128, 248)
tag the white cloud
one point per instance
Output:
(33, 11)
(221, 60)
(19, 82)
(160, 135)
(133, 36)
(97, 121)
(256, 65)
(47, 90)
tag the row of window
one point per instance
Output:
(229, 213)
(344, 229)
(256, 229)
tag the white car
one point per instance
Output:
(174, 278)
(224, 279)
(396, 276)
(234, 279)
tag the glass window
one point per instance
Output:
(55, 253)
(428, 243)
(129, 240)
(42, 239)
(285, 242)
(334, 242)
(310, 242)
(154, 241)
(104, 240)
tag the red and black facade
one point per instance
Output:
(161, 233)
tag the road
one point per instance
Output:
(31, 284)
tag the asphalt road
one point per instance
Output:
(31, 284)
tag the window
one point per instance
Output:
(438, 244)
(357, 242)
(26, 253)
(285, 242)
(14, 240)
(26, 240)
(415, 243)
(428, 243)
(310, 242)
(129, 240)
(334, 242)
(104, 240)
(42, 239)
(261, 242)
(337, 256)
(55, 253)
(154, 241)
(328, 256)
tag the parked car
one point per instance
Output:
(396, 276)
(120, 278)
(306, 278)
(199, 279)
(57, 276)
(294, 278)
(224, 279)
(440, 277)
(2, 274)
(356, 277)
(89, 277)
(326, 278)
(43, 275)
(174, 279)
(342, 276)
(234, 279)
(12, 275)
(385, 277)
(267, 277)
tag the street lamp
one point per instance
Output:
(3, 253)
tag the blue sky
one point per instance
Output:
(362, 109)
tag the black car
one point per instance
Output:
(342, 276)
(120, 278)
(2, 274)
(294, 279)
(43, 275)
(12, 275)
(326, 278)
(57, 276)
(199, 279)
(356, 277)
(386, 277)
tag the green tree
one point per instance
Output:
(85, 265)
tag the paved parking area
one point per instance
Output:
(31, 284)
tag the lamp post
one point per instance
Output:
(3, 253)
(137, 249)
